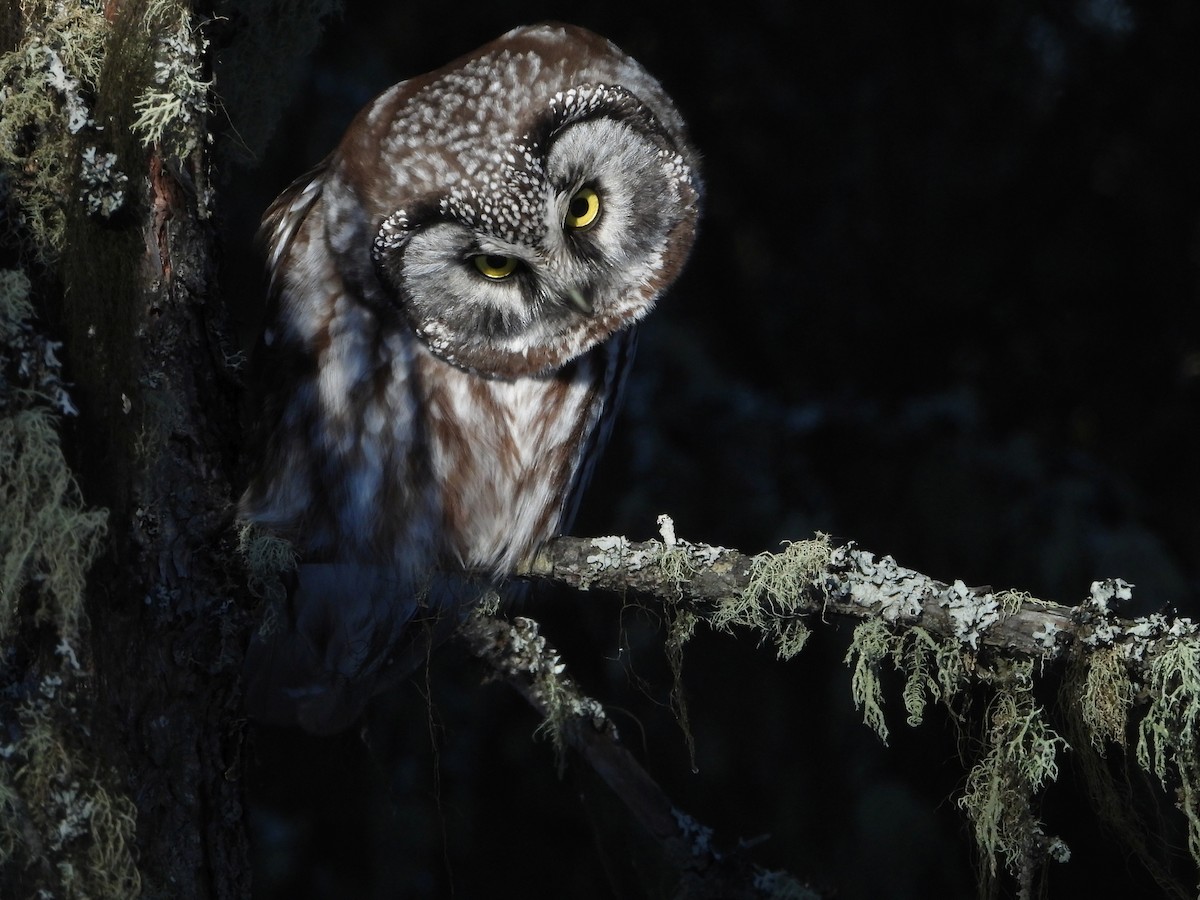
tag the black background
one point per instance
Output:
(943, 302)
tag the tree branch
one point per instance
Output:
(943, 637)
(771, 591)
(519, 655)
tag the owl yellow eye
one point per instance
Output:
(583, 209)
(495, 266)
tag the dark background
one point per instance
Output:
(943, 302)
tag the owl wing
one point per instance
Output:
(279, 362)
(285, 215)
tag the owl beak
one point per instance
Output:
(575, 297)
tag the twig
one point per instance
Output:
(518, 654)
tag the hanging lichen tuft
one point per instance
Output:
(64, 830)
(1003, 788)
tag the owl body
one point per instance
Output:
(454, 292)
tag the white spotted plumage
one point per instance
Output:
(421, 418)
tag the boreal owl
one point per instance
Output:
(453, 297)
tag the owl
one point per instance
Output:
(453, 297)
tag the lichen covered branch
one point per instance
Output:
(774, 592)
(943, 638)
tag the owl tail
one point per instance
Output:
(347, 632)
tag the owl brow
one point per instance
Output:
(396, 229)
(424, 211)
(572, 180)
(593, 101)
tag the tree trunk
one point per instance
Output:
(146, 714)
(167, 630)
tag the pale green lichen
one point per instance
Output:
(772, 601)
(60, 821)
(59, 812)
(1010, 601)
(777, 584)
(1098, 693)
(10, 812)
(1022, 751)
(269, 559)
(1105, 697)
(681, 626)
(871, 643)
(172, 109)
(1150, 661)
(675, 559)
(46, 85)
(1169, 732)
(770, 604)
(113, 826)
(517, 648)
(1022, 756)
(933, 669)
(47, 538)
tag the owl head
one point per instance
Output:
(518, 206)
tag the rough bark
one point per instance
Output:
(167, 630)
(125, 278)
